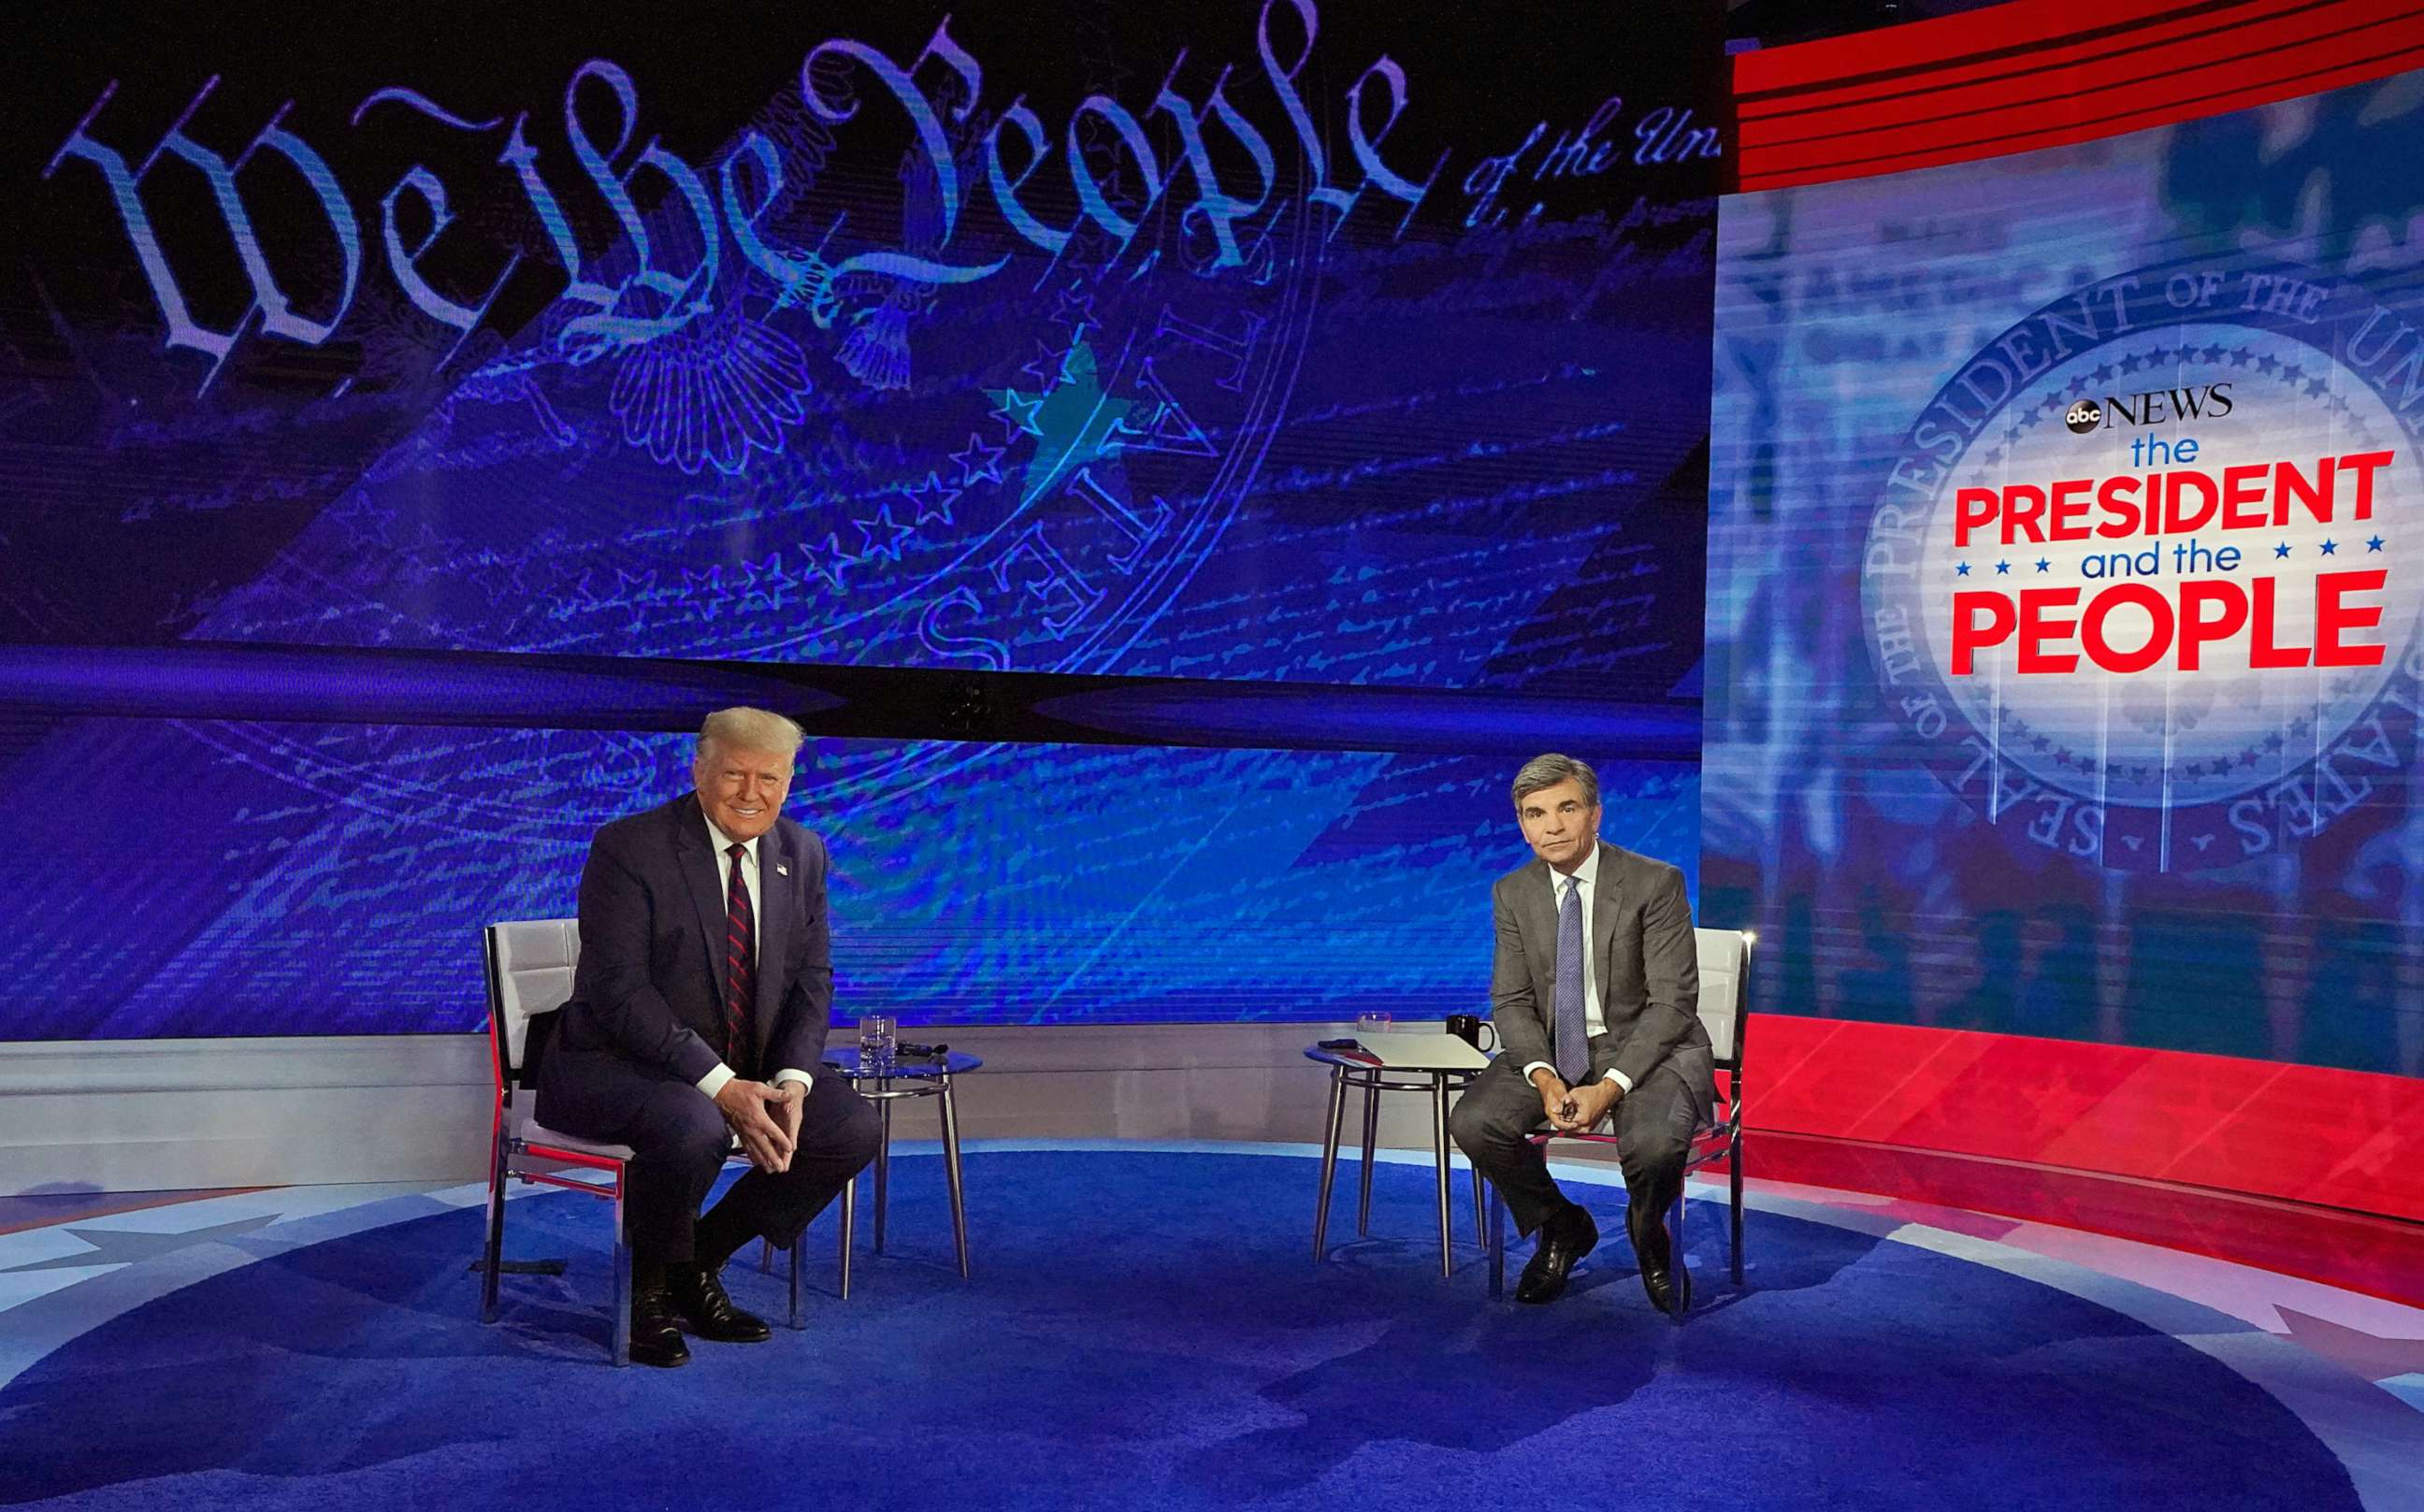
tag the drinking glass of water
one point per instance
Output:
(876, 1042)
(1367, 1024)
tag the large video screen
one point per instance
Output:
(1274, 342)
(2064, 588)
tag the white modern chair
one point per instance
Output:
(530, 967)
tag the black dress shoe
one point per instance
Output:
(655, 1340)
(707, 1309)
(1669, 1288)
(1566, 1236)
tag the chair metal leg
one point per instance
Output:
(765, 1257)
(882, 1163)
(622, 1280)
(951, 1170)
(1329, 1160)
(496, 1248)
(1497, 1242)
(1480, 1224)
(1679, 1264)
(849, 1230)
(797, 1245)
(1371, 1143)
(1439, 1154)
(1734, 1185)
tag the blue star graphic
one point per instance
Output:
(829, 561)
(933, 499)
(1075, 308)
(1073, 425)
(1961, 569)
(980, 462)
(2043, 564)
(2374, 545)
(883, 535)
(1020, 410)
(1044, 366)
(2282, 549)
(2330, 546)
(130, 1246)
(2002, 568)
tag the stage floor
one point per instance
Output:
(1145, 1329)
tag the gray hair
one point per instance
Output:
(750, 729)
(1548, 771)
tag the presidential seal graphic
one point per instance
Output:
(2134, 588)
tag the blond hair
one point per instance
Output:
(744, 728)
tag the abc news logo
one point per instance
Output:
(2156, 406)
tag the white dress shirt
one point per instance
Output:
(721, 844)
(1593, 1020)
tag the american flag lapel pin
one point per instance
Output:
(781, 870)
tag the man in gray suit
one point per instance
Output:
(1595, 990)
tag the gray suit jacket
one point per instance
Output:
(1648, 969)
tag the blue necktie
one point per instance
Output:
(1573, 1036)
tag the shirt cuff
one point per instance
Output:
(713, 1081)
(793, 1073)
(1624, 1082)
(1532, 1066)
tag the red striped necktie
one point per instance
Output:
(740, 967)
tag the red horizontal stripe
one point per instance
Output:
(2012, 29)
(1770, 172)
(2048, 62)
(2055, 53)
(2382, 1257)
(2176, 71)
(2349, 1139)
(2223, 81)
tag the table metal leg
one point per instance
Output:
(849, 1230)
(1439, 1154)
(797, 1245)
(883, 1158)
(1371, 1142)
(951, 1170)
(1329, 1160)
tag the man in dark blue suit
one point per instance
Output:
(698, 1015)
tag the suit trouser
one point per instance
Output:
(680, 1142)
(1494, 1121)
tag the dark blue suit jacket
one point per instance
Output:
(649, 988)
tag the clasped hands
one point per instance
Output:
(765, 1118)
(1574, 1109)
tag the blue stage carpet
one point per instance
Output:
(1146, 1331)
